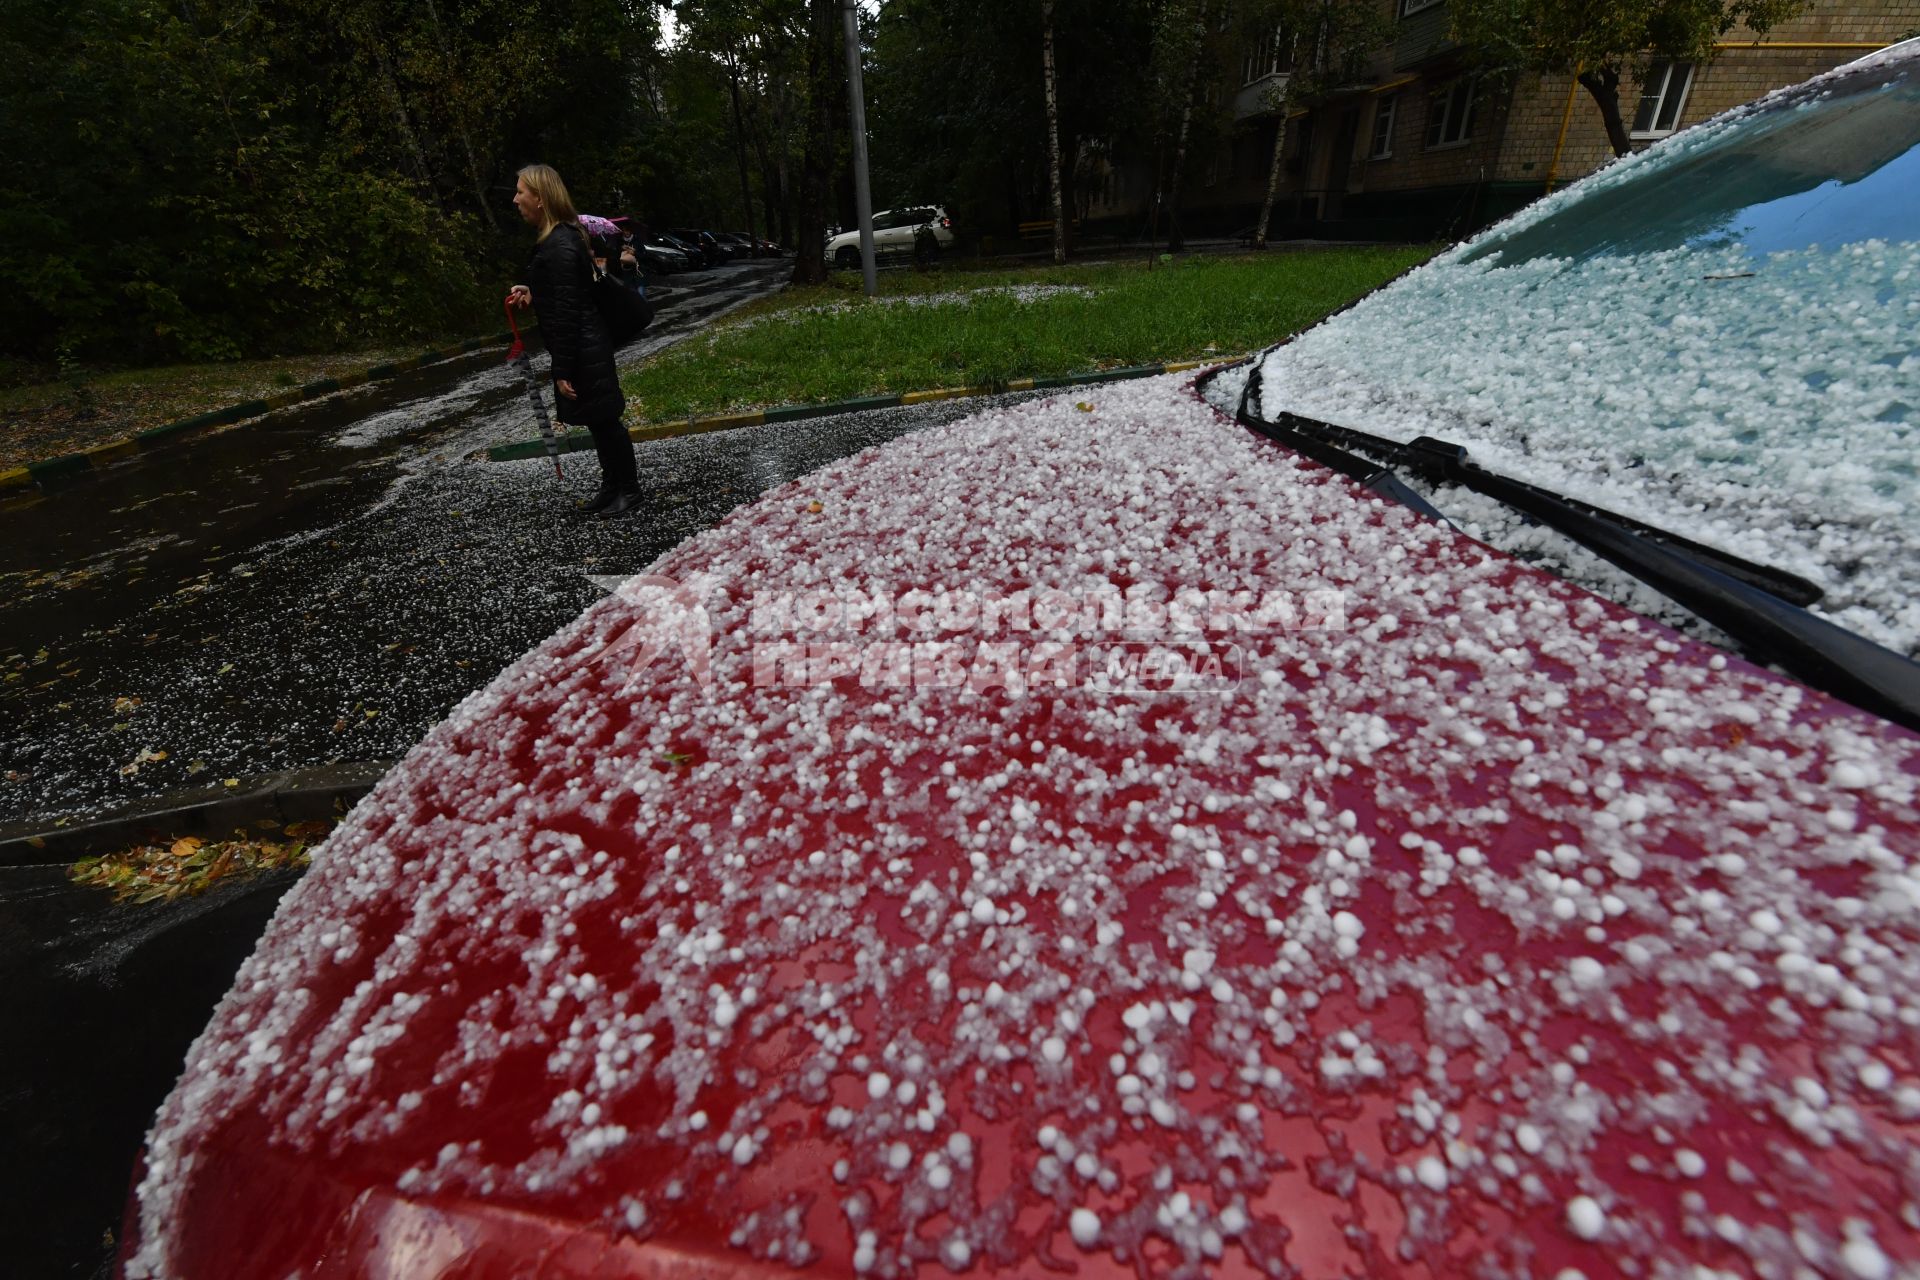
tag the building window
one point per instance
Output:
(1662, 99)
(1450, 115)
(1410, 7)
(1270, 55)
(1383, 113)
(1300, 138)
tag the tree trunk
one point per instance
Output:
(1070, 186)
(740, 142)
(474, 174)
(768, 187)
(816, 166)
(782, 122)
(1053, 131)
(1176, 239)
(1159, 190)
(403, 122)
(1604, 84)
(1273, 179)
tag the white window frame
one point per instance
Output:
(1269, 56)
(1387, 110)
(1663, 71)
(1410, 7)
(1457, 102)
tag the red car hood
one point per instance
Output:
(1496, 932)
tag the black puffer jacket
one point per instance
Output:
(561, 278)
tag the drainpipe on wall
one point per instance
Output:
(1566, 118)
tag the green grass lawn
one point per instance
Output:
(831, 343)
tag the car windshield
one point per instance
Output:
(1720, 336)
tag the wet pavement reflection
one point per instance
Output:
(327, 584)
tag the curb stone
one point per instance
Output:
(74, 464)
(290, 796)
(580, 441)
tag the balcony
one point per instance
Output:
(1260, 97)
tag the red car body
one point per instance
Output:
(1461, 923)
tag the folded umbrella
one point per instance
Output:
(517, 357)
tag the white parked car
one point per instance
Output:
(893, 233)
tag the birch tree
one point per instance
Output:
(1329, 43)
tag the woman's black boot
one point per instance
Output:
(598, 503)
(623, 504)
(607, 449)
(620, 468)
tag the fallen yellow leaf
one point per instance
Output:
(184, 847)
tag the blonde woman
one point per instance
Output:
(559, 288)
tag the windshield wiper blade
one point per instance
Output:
(1328, 444)
(1445, 461)
(1818, 652)
(1368, 474)
(1768, 624)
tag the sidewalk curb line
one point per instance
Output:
(521, 450)
(72, 464)
(288, 796)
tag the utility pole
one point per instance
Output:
(856, 97)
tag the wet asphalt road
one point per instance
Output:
(326, 584)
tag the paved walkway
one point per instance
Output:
(327, 587)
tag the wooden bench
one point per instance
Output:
(1043, 229)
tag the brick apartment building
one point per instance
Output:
(1419, 149)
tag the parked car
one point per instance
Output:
(732, 246)
(747, 246)
(693, 253)
(894, 234)
(1093, 837)
(712, 253)
(659, 253)
(758, 246)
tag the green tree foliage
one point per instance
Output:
(218, 178)
(754, 53)
(957, 109)
(1604, 40)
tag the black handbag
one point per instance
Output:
(623, 305)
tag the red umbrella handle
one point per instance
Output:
(518, 346)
